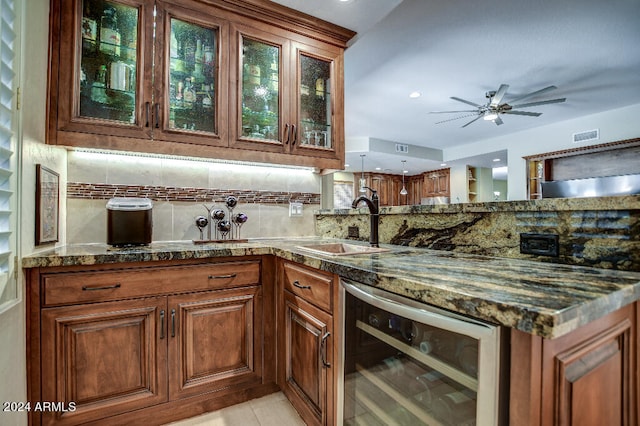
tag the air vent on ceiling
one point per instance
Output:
(400, 147)
(589, 135)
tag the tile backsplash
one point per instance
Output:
(180, 189)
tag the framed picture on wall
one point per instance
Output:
(47, 205)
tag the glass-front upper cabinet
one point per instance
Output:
(316, 125)
(108, 61)
(188, 97)
(260, 67)
(100, 87)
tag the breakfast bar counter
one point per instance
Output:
(543, 299)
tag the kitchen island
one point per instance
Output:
(542, 299)
(571, 314)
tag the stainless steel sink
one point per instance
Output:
(342, 249)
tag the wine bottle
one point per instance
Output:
(456, 408)
(109, 34)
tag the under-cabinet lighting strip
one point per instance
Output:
(187, 158)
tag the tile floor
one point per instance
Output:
(270, 410)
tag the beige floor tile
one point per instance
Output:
(270, 410)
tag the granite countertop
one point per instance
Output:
(543, 299)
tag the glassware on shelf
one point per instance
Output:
(192, 78)
(108, 61)
(260, 89)
(315, 102)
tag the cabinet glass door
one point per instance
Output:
(260, 71)
(192, 90)
(315, 102)
(109, 61)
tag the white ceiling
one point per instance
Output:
(589, 49)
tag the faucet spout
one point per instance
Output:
(374, 214)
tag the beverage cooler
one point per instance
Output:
(408, 363)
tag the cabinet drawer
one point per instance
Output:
(97, 286)
(313, 286)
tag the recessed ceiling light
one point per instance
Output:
(495, 160)
(346, 165)
(378, 168)
(443, 164)
(414, 95)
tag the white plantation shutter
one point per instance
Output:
(8, 287)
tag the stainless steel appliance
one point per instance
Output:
(408, 363)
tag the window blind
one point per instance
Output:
(8, 287)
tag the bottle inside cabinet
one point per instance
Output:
(108, 66)
(403, 371)
(315, 102)
(192, 77)
(260, 89)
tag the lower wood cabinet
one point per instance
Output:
(306, 339)
(111, 360)
(586, 377)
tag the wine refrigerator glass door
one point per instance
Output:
(407, 363)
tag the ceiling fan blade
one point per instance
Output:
(530, 104)
(498, 121)
(466, 102)
(446, 112)
(497, 98)
(477, 118)
(536, 93)
(456, 118)
(532, 114)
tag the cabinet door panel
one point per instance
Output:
(214, 340)
(105, 50)
(190, 100)
(259, 66)
(107, 359)
(319, 129)
(308, 347)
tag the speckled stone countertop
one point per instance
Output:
(544, 299)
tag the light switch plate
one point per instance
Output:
(295, 209)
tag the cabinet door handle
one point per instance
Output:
(173, 323)
(323, 349)
(220, 277)
(286, 134)
(162, 324)
(296, 283)
(157, 115)
(295, 134)
(108, 287)
(147, 106)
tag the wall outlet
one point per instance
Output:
(295, 209)
(540, 244)
(353, 232)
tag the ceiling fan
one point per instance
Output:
(492, 110)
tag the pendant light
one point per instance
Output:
(363, 182)
(403, 191)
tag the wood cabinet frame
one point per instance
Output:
(63, 128)
(578, 378)
(173, 386)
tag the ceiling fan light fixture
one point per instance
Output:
(490, 116)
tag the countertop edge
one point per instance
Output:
(544, 322)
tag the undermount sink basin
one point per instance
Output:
(342, 249)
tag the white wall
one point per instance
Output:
(33, 85)
(619, 124)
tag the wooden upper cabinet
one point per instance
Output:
(190, 96)
(196, 77)
(100, 76)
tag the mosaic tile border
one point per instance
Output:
(104, 191)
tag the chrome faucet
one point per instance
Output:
(374, 214)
